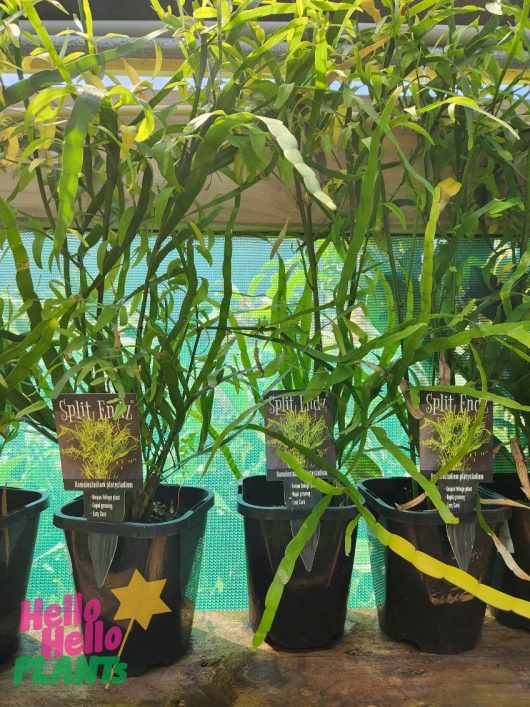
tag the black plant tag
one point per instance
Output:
(309, 424)
(104, 505)
(448, 420)
(298, 495)
(460, 496)
(99, 443)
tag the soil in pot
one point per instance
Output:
(170, 551)
(411, 606)
(18, 532)
(509, 486)
(312, 610)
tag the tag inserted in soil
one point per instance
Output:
(449, 419)
(99, 443)
(308, 424)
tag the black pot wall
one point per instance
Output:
(170, 551)
(22, 522)
(411, 606)
(312, 610)
(509, 486)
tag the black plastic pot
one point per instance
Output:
(509, 486)
(411, 606)
(170, 550)
(21, 524)
(312, 610)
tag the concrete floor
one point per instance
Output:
(363, 668)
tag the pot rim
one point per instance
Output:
(425, 517)
(512, 477)
(252, 510)
(39, 503)
(64, 519)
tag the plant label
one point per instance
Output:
(308, 424)
(300, 495)
(99, 443)
(105, 505)
(460, 497)
(451, 421)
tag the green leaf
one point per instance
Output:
(86, 107)
(21, 90)
(352, 525)
(27, 360)
(147, 125)
(284, 91)
(289, 147)
(34, 407)
(430, 489)
(307, 477)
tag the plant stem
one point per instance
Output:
(305, 213)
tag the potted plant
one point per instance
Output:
(351, 157)
(507, 368)
(452, 146)
(430, 612)
(20, 511)
(126, 195)
(275, 508)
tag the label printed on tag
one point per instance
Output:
(308, 424)
(100, 449)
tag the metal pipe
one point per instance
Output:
(436, 37)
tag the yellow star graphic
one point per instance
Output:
(140, 600)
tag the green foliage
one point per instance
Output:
(410, 467)
(119, 177)
(451, 431)
(101, 446)
(8, 431)
(374, 122)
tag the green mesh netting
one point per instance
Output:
(34, 462)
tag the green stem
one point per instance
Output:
(313, 265)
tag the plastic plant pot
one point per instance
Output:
(312, 610)
(18, 532)
(411, 606)
(170, 550)
(509, 486)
